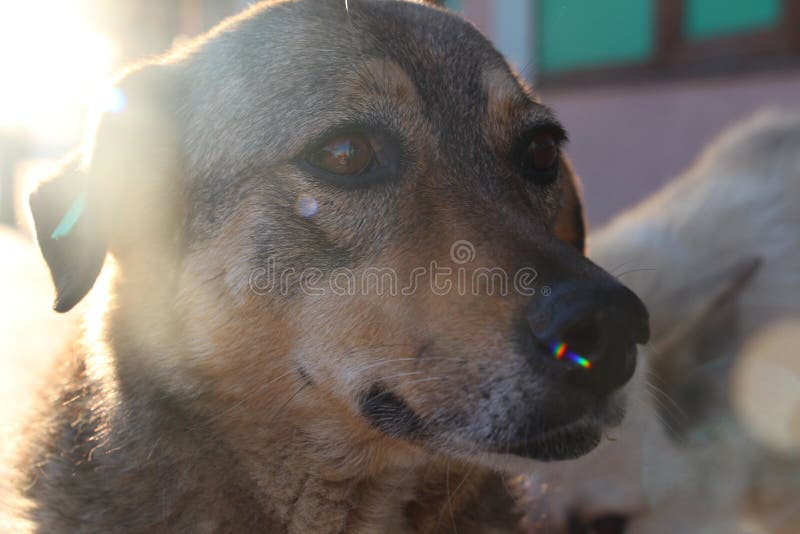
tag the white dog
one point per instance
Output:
(712, 443)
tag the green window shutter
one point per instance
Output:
(578, 34)
(712, 18)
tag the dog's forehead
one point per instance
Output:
(440, 51)
(297, 56)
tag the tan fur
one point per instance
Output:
(505, 104)
(383, 78)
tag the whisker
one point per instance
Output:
(449, 498)
(653, 376)
(630, 271)
(370, 348)
(669, 425)
(292, 397)
(387, 361)
(398, 375)
(620, 266)
(426, 379)
(668, 398)
(260, 389)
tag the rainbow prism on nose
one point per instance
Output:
(559, 350)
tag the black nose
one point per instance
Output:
(592, 332)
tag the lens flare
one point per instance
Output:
(559, 350)
(307, 206)
(114, 100)
(70, 218)
(583, 362)
(55, 67)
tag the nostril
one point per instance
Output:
(583, 337)
(611, 369)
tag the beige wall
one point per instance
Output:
(626, 141)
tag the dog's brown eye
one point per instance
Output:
(540, 158)
(353, 159)
(543, 151)
(344, 154)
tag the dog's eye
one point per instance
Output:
(543, 152)
(540, 158)
(343, 155)
(353, 159)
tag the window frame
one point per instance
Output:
(676, 55)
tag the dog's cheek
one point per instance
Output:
(349, 341)
(226, 341)
(233, 346)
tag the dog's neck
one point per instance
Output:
(313, 475)
(307, 490)
(139, 458)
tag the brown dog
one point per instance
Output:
(324, 219)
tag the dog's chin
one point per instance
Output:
(566, 443)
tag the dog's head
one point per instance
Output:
(356, 214)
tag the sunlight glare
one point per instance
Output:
(54, 67)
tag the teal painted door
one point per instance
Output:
(713, 18)
(579, 34)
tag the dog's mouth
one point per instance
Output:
(388, 412)
(567, 437)
(564, 443)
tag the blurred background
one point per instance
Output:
(641, 85)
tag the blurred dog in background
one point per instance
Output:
(713, 441)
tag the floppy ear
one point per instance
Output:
(571, 222)
(718, 295)
(69, 233)
(96, 198)
(692, 360)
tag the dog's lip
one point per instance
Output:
(571, 438)
(562, 443)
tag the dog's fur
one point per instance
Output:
(198, 404)
(716, 256)
(25, 354)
